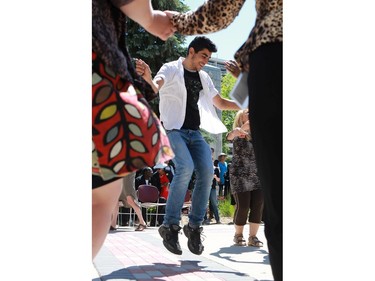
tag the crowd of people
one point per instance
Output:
(160, 176)
(188, 99)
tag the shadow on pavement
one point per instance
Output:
(238, 250)
(162, 270)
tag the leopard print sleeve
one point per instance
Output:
(215, 15)
(210, 17)
(268, 28)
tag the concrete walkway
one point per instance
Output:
(130, 255)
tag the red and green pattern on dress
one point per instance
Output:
(127, 135)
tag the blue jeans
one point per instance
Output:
(213, 201)
(192, 153)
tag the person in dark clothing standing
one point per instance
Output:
(212, 204)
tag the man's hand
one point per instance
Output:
(233, 68)
(143, 69)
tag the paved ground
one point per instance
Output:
(130, 255)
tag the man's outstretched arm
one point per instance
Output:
(224, 104)
(143, 69)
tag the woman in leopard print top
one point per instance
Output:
(261, 57)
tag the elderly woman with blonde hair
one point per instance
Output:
(245, 184)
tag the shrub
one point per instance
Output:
(225, 208)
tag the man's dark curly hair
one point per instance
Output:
(202, 42)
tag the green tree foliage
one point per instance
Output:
(151, 49)
(227, 83)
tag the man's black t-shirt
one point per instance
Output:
(193, 86)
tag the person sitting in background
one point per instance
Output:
(162, 179)
(129, 199)
(144, 178)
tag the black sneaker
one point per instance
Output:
(170, 238)
(194, 239)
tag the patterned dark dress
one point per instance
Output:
(243, 170)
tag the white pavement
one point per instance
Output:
(130, 255)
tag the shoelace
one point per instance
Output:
(202, 236)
